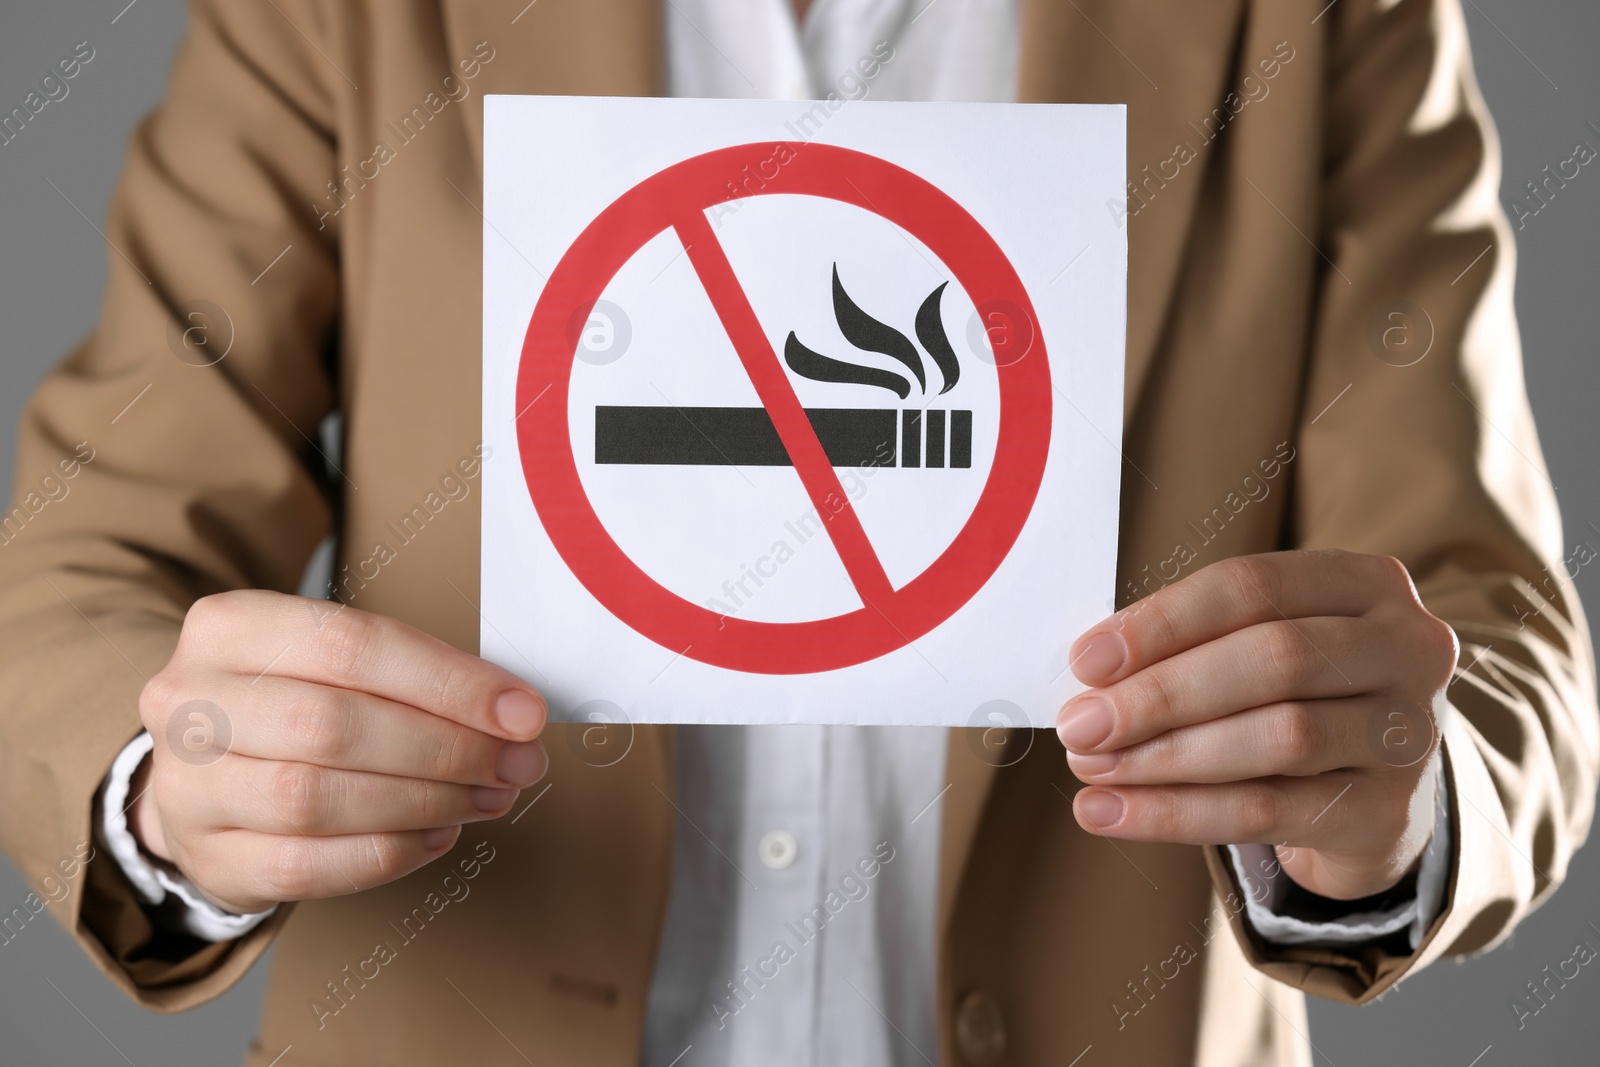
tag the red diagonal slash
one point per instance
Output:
(783, 406)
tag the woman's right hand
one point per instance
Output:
(305, 750)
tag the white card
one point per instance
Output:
(800, 415)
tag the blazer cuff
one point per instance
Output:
(171, 901)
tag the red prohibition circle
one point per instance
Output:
(671, 198)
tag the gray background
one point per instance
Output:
(1536, 61)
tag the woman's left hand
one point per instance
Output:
(1289, 698)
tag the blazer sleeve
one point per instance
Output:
(170, 456)
(1431, 456)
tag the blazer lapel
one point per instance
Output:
(1108, 51)
(969, 777)
(1099, 51)
(587, 48)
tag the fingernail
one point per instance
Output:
(439, 837)
(488, 798)
(519, 713)
(521, 763)
(1099, 763)
(1085, 723)
(1100, 809)
(1100, 657)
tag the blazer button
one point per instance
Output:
(980, 1029)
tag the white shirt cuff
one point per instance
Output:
(1265, 892)
(170, 899)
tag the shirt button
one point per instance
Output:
(980, 1030)
(777, 849)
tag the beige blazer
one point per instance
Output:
(1302, 172)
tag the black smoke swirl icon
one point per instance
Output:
(869, 335)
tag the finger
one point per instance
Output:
(1295, 738)
(1327, 811)
(1277, 661)
(301, 798)
(277, 718)
(258, 631)
(1231, 595)
(245, 871)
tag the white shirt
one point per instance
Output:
(743, 976)
(800, 926)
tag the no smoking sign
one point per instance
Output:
(799, 431)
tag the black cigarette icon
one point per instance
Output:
(745, 437)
